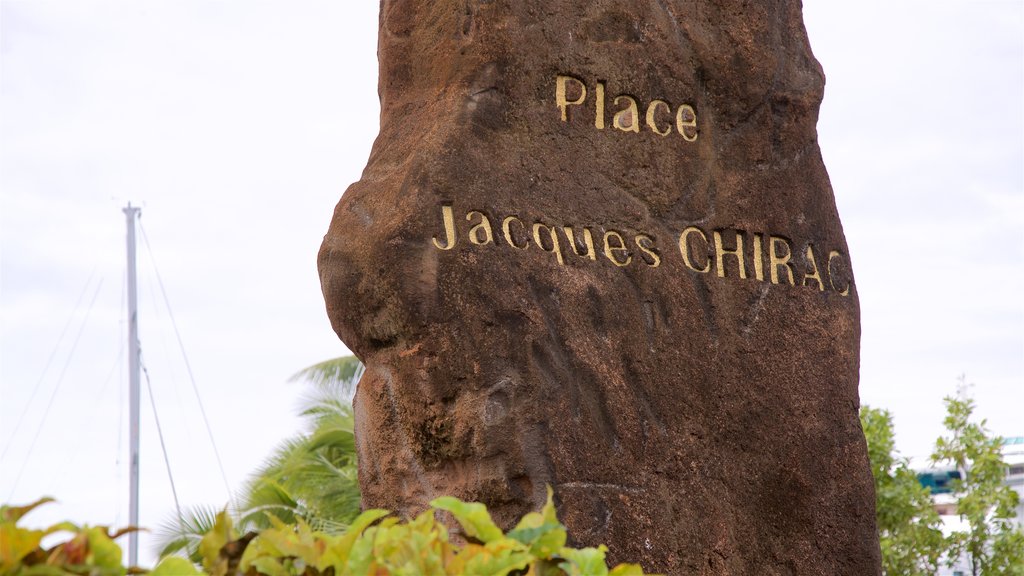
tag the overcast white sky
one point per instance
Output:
(237, 125)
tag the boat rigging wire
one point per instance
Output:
(56, 389)
(49, 361)
(163, 446)
(188, 365)
(80, 440)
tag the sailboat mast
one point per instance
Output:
(131, 214)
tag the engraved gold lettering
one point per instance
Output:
(776, 260)
(832, 255)
(758, 258)
(658, 117)
(555, 248)
(812, 265)
(620, 246)
(506, 228)
(627, 119)
(646, 245)
(483, 227)
(721, 252)
(449, 229)
(684, 249)
(560, 94)
(588, 242)
(651, 122)
(686, 122)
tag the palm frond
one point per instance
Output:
(182, 535)
(342, 372)
(330, 526)
(339, 439)
(312, 476)
(270, 498)
(268, 493)
(327, 401)
(284, 458)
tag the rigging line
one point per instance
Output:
(170, 375)
(97, 401)
(60, 380)
(163, 447)
(188, 367)
(46, 367)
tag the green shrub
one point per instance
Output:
(375, 543)
(535, 547)
(90, 551)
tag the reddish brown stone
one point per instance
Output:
(698, 422)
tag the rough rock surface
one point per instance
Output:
(688, 385)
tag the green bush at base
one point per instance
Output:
(375, 543)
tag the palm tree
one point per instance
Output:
(313, 476)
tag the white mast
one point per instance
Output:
(131, 213)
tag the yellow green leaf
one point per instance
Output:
(472, 516)
(294, 541)
(270, 566)
(15, 544)
(213, 541)
(545, 567)
(584, 562)
(14, 513)
(549, 507)
(175, 566)
(498, 558)
(338, 550)
(103, 552)
(359, 556)
(542, 532)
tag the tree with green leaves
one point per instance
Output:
(992, 544)
(909, 528)
(313, 476)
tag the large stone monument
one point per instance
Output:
(595, 247)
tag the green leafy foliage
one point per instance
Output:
(88, 551)
(909, 529)
(542, 531)
(175, 566)
(183, 535)
(378, 544)
(214, 541)
(472, 516)
(992, 544)
(313, 477)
